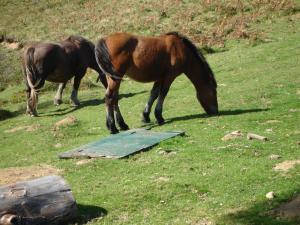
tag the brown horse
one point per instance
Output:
(58, 62)
(153, 59)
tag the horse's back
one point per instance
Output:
(145, 59)
(49, 60)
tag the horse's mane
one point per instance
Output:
(80, 40)
(209, 73)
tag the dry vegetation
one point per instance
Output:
(207, 22)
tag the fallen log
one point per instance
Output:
(46, 200)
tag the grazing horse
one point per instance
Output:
(153, 59)
(58, 62)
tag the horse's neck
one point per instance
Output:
(196, 73)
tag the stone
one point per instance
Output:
(270, 195)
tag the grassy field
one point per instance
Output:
(204, 180)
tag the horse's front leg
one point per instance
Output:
(58, 96)
(110, 101)
(153, 96)
(74, 95)
(164, 89)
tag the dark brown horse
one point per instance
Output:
(58, 62)
(153, 59)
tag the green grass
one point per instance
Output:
(207, 178)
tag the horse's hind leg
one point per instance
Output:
(118, 115)
(153, 96)
(74, 98)
(58, 96)
(110, 101)
(32, 97)
(32, 102)
(164, 89)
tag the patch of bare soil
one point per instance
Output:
(288, 210)
(271, 121)
(28, 128)
(10, 42)
(84, 161)
(69, 120)
(14, 45)
(204, 222)
(286, 165)
(16, 174)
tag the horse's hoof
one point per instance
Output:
(114, 131)
(57, 102)
(146, 118)
(161, 122)
(124, 127)
(75, 104)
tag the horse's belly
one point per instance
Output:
(143, 76)
(59, 76)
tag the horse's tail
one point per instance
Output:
(104, 61)
(32, 75)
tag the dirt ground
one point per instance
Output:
(17, 174)
(285, 166)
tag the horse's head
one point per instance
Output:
(207, 95)
(201, 75)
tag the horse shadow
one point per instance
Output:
(265, 213)
(204, 115)
(95, 102)
(85, 103)
(88, 213)
(221, 113)
(6, 114)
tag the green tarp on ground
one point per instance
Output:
(120, 145)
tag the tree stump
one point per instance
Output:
(46, 200)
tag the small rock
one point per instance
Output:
(269, 130)
(232, 135)
(274, 157)
(167, 152)
(58, 145)
(163, 179)
(270, 195)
